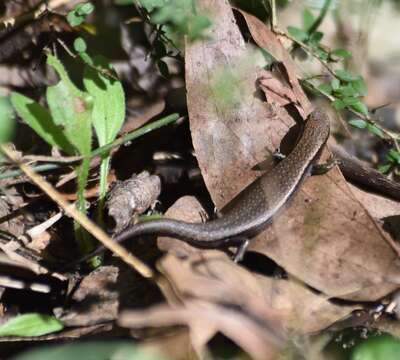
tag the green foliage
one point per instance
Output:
(71, 109)
(108, 110)
(123, 350)
(77, 16)
(309, 35)
(392, 161)
(80, 45)
(384, 347)
(7, 119)
(347, 90)
(72, 112)
(179, 17)
(40, 120)
(32, 324)
(358, 123)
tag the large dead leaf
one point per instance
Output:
(218, 279)
(280, 302)
(325, 238)
(229, 136)
(268, 40)
(250, 335)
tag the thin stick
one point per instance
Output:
(82, 219)
(103, 149)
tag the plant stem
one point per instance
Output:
(101, 150)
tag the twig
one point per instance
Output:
(391, 136)
(315, 25)
(82, 219)
(101, 150)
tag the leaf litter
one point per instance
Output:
(330, 246)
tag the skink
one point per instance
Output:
(253, 208)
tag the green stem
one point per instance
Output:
(135, 134)
(104, 149)
(315, 25)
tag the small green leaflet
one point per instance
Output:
(326, 88)
(345, 75)
(383, 347)
(7, 119)
(40, 120)
(297, 33)
(308, 19)
(32, 324)
(358, 123)
(394, 156)
(78, 14)
(342, 53)
(100, 350)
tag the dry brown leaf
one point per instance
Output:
(269, 41)
(219, 280)
(249, 334)
(95, 299)
(326, 238)
(223, 133)
(275, 91)
(378, 206)
(307, 312)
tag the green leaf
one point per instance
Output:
(384, 347)
(124, 2)
(7, 119)
(360, 107)
(335, 83)
(394, 156)
(341, 53)
(84, 9)
(77, 16)
(325, 88)
(108, 101)
(346, 91)
(345, 75)
(384, 169)
(39, 119)
(33, 324)
(316, 37)
(197, 25)
(80, 45)
(108, 109)
(375, 130)
(358, 123)
(86, 58)
(150, 5)
(359, 86)
(338, 104)
(297, 33)
(349, 101)
(105, 350)
(308, 19)
(71, 108)
(74, 19)
(321, 53)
